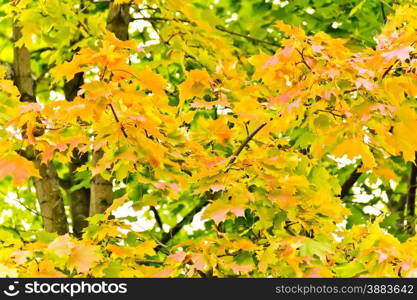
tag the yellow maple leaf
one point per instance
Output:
(197, 82)
(353, 148)
(146, 248)
(120, 251)
(152, 81)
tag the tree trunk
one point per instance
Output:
(47, 187)
(118, 21)
(411, 198)
(102, 190)
(50, 199)
(79, 199)
(22, 72)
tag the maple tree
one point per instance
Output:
(257, 138)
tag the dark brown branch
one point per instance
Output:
(149, 261)
(157, 218)
(41, 50)
(188, 218)
(348, 184)
(388, 69)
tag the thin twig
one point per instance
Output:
(245, 142)
(150, 19)
(118, 121)
(220, 28)
(149, 261)
(32, 211)
(388, 69)
(303, 60)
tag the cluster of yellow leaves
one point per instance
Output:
(248, 156)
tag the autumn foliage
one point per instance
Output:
(277, 146)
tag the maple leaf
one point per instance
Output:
(45, 269)
(82, 257)
(245, 269)
(7, 86)
(19, 167)
(244, 245)
(365, 83)
(116, 204)
(152, 81)
(319, 272)
(219, 210)
(196, 84)
(178, 257)
(21, 256)
(119, 251)
(401, 53)
(353, 148)
(62, 245)
(6, 271)
(323, 105)
(67, 70)
(146, 248)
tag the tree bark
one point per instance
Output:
(102, 190)
(50, 199)
(411, 198)
(47, 187)
(79, 199)
(21, 69)
(118, 20)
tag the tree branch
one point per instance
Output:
(221, 28)
(149, 261)
(118, 121)
(388, 69)
(245, 142)
(303, 60)
(157, 217)
(348, 184)
(384, 16)
(186, 220)
(150, 19)
(190, 216)
(41, 50)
